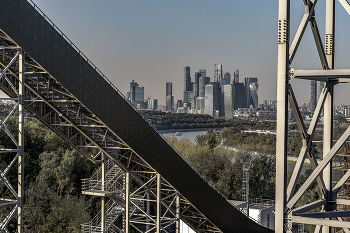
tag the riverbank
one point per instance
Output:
(186, 130)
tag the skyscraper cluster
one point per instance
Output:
(220, 97)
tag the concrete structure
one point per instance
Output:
(169, 97)
(218, 73)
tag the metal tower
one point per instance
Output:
(286, 195)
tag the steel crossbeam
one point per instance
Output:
(287, 197)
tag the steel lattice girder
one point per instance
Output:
(285, 205)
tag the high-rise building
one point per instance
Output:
(249, 100)
(152, 104)
(212, 98)
(187, 79)
(202, 82)
(136, 92)
(226, 79)
(229, 95)
(254, 94)
(239, 100)
(169, 96)
(209, 100)
(236, 77)
(312, 95)
(188, 98)
(218, 73)
(197, 75)
(203, 73)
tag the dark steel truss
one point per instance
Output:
(60, 111)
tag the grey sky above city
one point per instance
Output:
(151, 41)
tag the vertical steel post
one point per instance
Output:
(21, 144)
(328, 105)
(282, 108)
(159, 203)
(178, 209)
(127, 202)
(103, 180)
(148, 210)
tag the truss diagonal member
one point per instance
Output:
(8, 116)
(346, 230)
(341, 182)
(296, 112)
(346, 5)
(3, 225)
(149, 181)
(309, 206)
(9, 166)
(317, 229)
(307, 140)
(309, 10)
(8, 185)
(327, 158)
(319, 44)
(10, 135)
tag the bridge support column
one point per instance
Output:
(127, 202)
(178, 210)
(328, 105)
(159, 204)
(103, 201)
(20, 144)
(281, 220)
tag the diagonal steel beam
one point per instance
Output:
(346, 5)
(327, 158)
(346, 230)
(296, 112)
(306, 141)
(310, 206)
(341, 182)
(309, 9)
(318, 42)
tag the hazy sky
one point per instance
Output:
(151, 41)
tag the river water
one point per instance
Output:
(191, 135)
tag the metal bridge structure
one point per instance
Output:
(142, 179)
(287, 195)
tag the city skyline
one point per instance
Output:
(150, 42)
